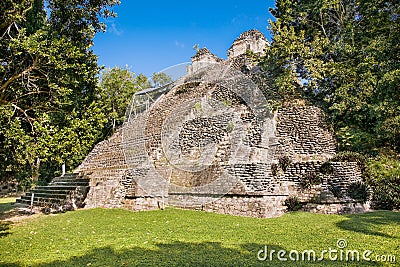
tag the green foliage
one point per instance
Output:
(293, 203)
(118, 86)
(284, 162)
(336, 190)
(160, 79)
(358, 191)
(384, 178)
(274, 169)
(327, 168)
(341, 55)
(48, 92)
(310, 179)
(230, 127)
(35, 17)
(198, 107)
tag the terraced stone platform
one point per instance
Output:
(62, 190)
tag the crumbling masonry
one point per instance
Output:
(208, 142)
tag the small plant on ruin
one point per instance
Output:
(327, 168)
(293, 203)
(284, 162)
(198, 107)
(336, 191)
(227, 103)
(230, 127)
(358, 191)
(310, 179)
(274, 169)
(273, 105)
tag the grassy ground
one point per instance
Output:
(173, 237)
(6, 204)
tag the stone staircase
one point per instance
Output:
(59, 192)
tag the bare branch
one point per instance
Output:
(29, 119)
(14, 78)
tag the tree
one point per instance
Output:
(160, 79)
(343, 55)
(49, 98)
(119, 85)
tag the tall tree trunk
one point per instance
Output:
(35, 170)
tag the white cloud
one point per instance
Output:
(112, 28)
(179, 44)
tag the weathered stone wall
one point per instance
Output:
(337, 208)
(302, 133)
(105, 166)
(107, 154)
(259, 191)
(202, 59)
(277, 156)
(252, 40)
(258, 206)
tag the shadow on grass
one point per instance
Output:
(4, 228)
(4, 207)
(187, 254)
(369, 223)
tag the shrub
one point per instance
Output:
(274, 169)
(384, 178)
(387, 195)
(336, 190)
(284, 162)
(293, 203)
(358, 191)
(327, 168)
(311, 178)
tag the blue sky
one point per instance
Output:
(151, 35)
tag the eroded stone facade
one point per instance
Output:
(203, 145)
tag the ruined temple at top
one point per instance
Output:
(208, 141)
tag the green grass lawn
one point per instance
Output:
(6, 204)
(173, 237)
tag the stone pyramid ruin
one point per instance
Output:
(209, 142)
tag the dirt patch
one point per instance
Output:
(19, 214)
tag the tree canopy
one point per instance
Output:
(49, 108)
(343, 55)
(118, 86)
(160, 79)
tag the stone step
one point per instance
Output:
(56, 187)
(28, 197)
(75, 183)
(63, 179)
(40, 200)
(57, 191)
(67, 175)
(47, 194)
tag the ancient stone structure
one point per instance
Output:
(202, 59)
(64, 193)
(252, 40)
(208, 142)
